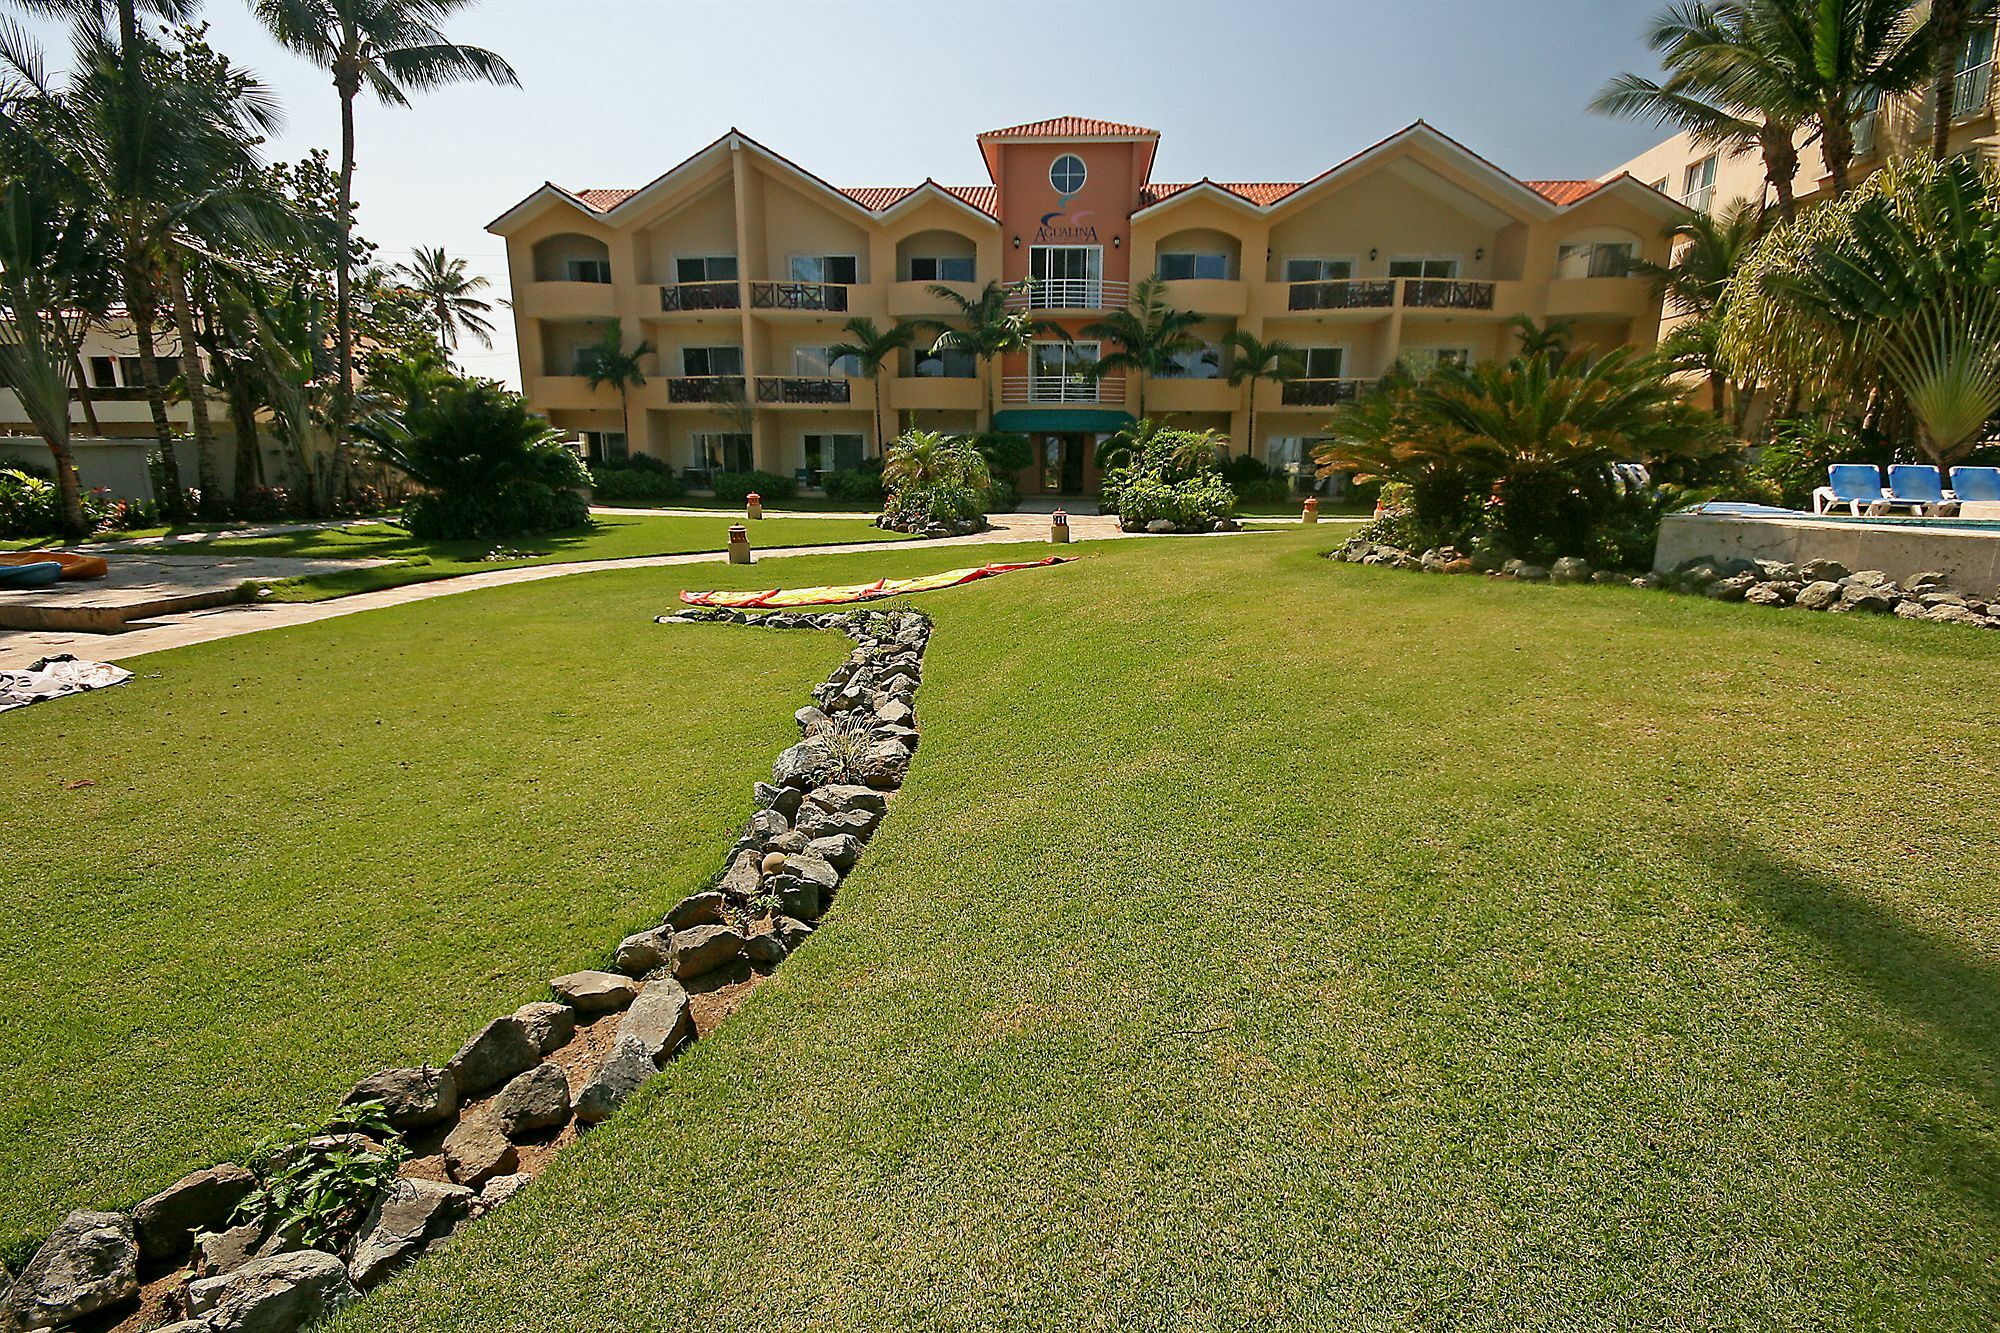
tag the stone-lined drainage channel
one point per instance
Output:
(466, 1137)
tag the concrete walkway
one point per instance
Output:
(18, 649)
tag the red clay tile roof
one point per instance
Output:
(985, 198)
(1261, 193)
(604, 200)
(1065, 126)
(1564, 193)
(875, 198)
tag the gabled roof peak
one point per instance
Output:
(1065, 127)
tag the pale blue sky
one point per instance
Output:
(882, 92)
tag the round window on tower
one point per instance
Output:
(1066, 173)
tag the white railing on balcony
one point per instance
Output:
(1699, 199)
(1970, 90)
(1070, 294)
(1061, 389)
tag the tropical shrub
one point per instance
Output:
(1166, 474)
(645, 484)
(1001, 496)
(1256, 484)
(31, 506)
(1522, 452)
(1007, 453)
(926, 458)
(946, 504)
(490, 467)
(735, 487)
(321, 1186)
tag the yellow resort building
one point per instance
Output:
(739, 267)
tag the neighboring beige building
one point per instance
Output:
(739, 267)
(1705, 179)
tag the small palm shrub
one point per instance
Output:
(489, 466)
(943, 504)
(862, 483)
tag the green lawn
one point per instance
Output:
(304, 855)
(609, 537)
(1260, 943)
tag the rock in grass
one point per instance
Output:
(859, 824)
(536, 1100)
(408, 1218)
(623, 1073)
(740, 882)
(218, 1252)
(646, 952)
(595, 992)
(498, 1191)
(1570, 569)
(659, 1020)
(274, 1295)
(478, 1149)
(1819, 595)
(410, 1097)
(1732, 589)
(551, 1024)
(703, 949)
(698, 909)
(791, 931)
(840, 851)
(765, 950)
(167, 1222)
(1872, 598)
(89, 1263)
(800, 765)
(785, 800)
(497, 1052)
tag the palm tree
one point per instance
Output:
(990, 329)
(607, 362)
(871, 349)
(53, 273)
(1251, 360)
(1944, 35)
(394, 48)
(1724, 90)
(162, 146)
(1714, 246)
(1149, 333)
(920, 459)
(444, 283)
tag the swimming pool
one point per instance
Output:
(1742, 509)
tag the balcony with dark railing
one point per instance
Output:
(1320, 392)
(1971, 91)
(798, 296)
(1342, 294)
(804, 389)
(1447, 294)
(682, 296)
(705, 389)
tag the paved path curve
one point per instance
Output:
(19, 648)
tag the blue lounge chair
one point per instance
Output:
(1917, 485)
(38, 575)
(1978, 484)
(1856, 485)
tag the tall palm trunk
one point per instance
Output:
(69, 490)
(83, 395)
(204, 431)
(881, 446)
(140, 303)
(1948, 24)
(1781, 167)
(1250, 425)
(349, 85)
(1836, 144)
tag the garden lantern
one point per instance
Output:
(753, 505)
(1059, 526)
(739, 544)
(1311, 514)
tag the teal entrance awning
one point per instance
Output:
(1030, 420)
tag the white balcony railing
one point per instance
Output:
(1070, 294)
(1061, 389)
(1700, 198)
(1970, 90)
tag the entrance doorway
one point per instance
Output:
(1062, 459)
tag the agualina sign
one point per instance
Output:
(1061, 228)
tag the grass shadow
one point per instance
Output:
(1939, 1002)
